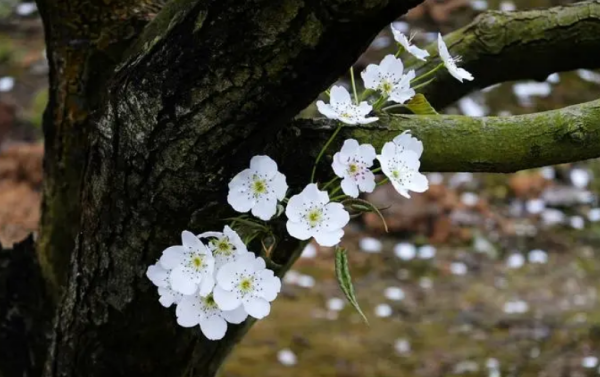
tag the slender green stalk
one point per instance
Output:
(387, 108)
(353, 84)
(380, 102)
(330, 182)
(383, 181)
(400, 50)
(427, 74)
(424, 84)
(333, 135)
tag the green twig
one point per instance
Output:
(314, 170)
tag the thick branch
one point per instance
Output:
(25, 311)
(499, 47)
(461, 143)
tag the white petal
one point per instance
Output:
(188, 239)
(235, 316)
(294, 208)
(367, 153)
(312, 195)
(364, 108)
(401, 189)
(329, 238)
(210, 234)
(182, 282)
(226, 300)
(279, 186)
(368, 183)
(371, 77)
(158, 275)
(388, 151)
(327, 110)
(241, 179)
(172, 257)
(349, 187)
(367, 120)
(464, 74)
(214, 327)
(418, 53)
(258, 264)
(206, 285)
(349, 149)
(257, 307)
(338, 167)
(241, 201)
(392, 66)
(265, 207)
(400, 95)
(299, 230)
(408, 142)
(263, 165)
(168, 297)
(419, 183)
(443, 50)
(188, 312)
(339, 96)
(226, 276)
(235, 239)
(338, 216)
(271, 285)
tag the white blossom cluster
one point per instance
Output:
(214, 282)
(214, 279)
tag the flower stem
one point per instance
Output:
(383, 181)
(380, 102)
(400, 50)
(329, 183)
(392, 107)
(427, 74)
(353, 84)
(424, 84)
(333, 135)
(366, 94)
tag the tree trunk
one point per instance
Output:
(206, 86)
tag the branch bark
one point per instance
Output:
(462, 143)
(207, 85)
(499, 47)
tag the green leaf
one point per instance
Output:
(419, 105)
(365, 206)
(249, 223)
(344, 279)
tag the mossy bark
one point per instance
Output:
(198, 94)
(462, 143)
(505, 46)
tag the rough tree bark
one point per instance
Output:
(143, 133)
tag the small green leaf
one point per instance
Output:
(344, 279)
(249, 223)
(365, 206)
(419, 105)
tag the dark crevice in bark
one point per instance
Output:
(25, 312)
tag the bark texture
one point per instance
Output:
(499, 47)
(207, 85)
(84, 41)
(25, 311)
(462, 143)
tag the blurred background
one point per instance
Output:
(483, 275)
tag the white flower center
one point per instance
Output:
(401, 174)
(197, 262)
(222, 246)
(356, 168)
(259, 186)
(314, 217)
(386, 87)
(246, 284)
(209, 302)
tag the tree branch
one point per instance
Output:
(461, 143)
(499, 47)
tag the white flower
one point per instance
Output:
(191, 266)
(342, 109)
(352, 164)
(225, 246)
(197, 310)
(310, 214)
(160, 278)
(402, 168)
(459, 73)
(412, 49)
(388, 78)
(258, 188)
(406, 142)
(248, 283)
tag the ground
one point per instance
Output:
(482, 275)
